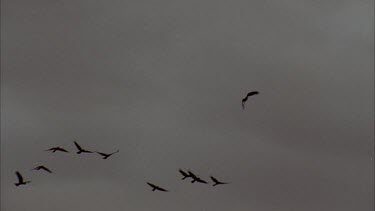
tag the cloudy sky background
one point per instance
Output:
(162, 81)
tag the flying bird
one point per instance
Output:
(80, 149)
(247, 96)
(217, 182)
(42, 168)
(191, 174)
(184, 174)
(20, 179)
(54, 149)
(105, 155)
(196, 178)
(155, 187)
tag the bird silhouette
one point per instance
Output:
(42, 168)
(217, 182)
(105, 155)
(80, 149)
(20, 179)
(247, 96)
(155, 187)
(184, 174)
(54, 149)
(196, 178)
(191, 174)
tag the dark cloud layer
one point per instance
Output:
(163, 80)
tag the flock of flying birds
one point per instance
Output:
(185, 175)
(21, 181)
(193, 176)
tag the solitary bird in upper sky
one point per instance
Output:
(184, 174)
(155, 187)
(54, 149)
(42, 168)
(105, 155)
(20, 179)
(80, 149)
(217, 182)
(196, 178)
(248, 95)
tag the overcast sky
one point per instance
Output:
(162, 81)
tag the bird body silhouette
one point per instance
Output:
(196, 178)
(20, 179)
(155, 187)
(80, 149)
(105, 155)
(42, 168)
(54, 149)
(247, 96)
(191, 174)
(217, 182)
(186, 175)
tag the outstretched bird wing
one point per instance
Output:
(19, 176)
(217, 182)
(183, 173)
(77, 145)
(156, 187)
(57, 149)
(61, 149)
(152, 185)
(252, 93)
(161, 189)
(213, 179)
(201, 181)
(101, 153)
(45, 169)
(248, 95)
(192, 175)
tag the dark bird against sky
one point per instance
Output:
(247, 96)
(20, 179)
(42, 168)
(217, 182)
(155, 187)
(54, 149)
(191, 174)
(196, 178)
(184, 174)
(105, 155)
(80, 149)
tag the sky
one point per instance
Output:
(162, 81)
